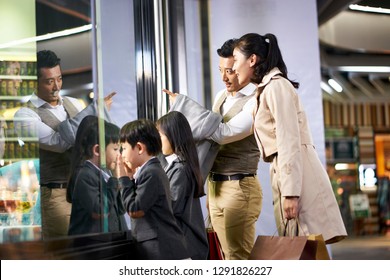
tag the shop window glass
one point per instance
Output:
(24, 25)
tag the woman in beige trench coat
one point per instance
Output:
(300, 185)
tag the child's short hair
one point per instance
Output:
(143, 131)
(111, 133)
(88, 135)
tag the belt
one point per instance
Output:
(219, 177)
(55, 185)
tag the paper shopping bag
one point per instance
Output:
(293, 228)
(322, 251)
(283, 248)
(215, 249)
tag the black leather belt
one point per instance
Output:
(55, 185)
(219, 177)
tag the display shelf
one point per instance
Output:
(14, 68)
(14, 88)
(15, 151)
(19, 165)
(17, 77)
(16, 97)
(24, 139)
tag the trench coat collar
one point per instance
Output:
(267, 78)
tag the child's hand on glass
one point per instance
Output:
(123, 168)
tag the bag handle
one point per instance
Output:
(296, 228)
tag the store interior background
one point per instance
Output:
(352, 135)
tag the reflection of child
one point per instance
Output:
(185, 178)
(147, 197)
(94, 193)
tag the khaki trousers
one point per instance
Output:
(234, 208)
(55, 212)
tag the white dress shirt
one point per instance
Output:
(169, 160)
(30, 121)
(241, 125)
(139, 168)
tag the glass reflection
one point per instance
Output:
(20, 200)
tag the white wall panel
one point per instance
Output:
(118, 58)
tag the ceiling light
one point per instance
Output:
(368, 69)
(326, 88)
(341, 166)
(335, 85)
(369, 9)
(48, 36)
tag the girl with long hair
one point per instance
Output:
(186, 184)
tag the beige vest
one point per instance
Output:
(54, 167)
(240, 156)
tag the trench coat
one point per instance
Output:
(284, 139)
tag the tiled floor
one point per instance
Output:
(362, 248)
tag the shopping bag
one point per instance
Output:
(322, 251)
(215, 249)
(290, 246)
(284, 248)
(293, 227)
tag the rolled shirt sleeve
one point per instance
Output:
(238, 127)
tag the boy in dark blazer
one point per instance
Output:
(146, 194)
(92, 190)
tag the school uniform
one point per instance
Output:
(187, 209)
(90, 209)
(157, 234)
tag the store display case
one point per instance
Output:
(19, 163)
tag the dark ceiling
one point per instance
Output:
(56, 15)
(353, 38)
(327, 9)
